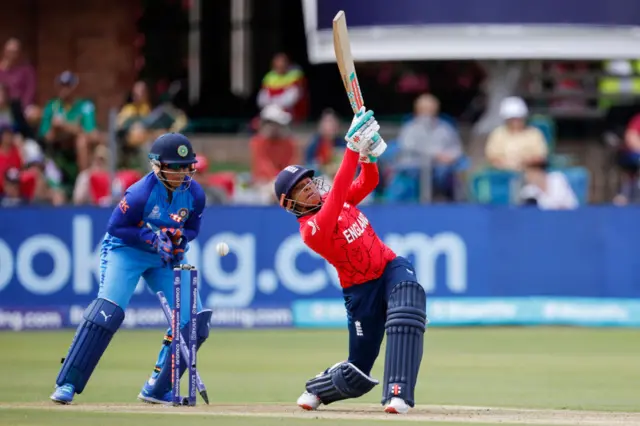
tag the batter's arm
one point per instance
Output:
(365, 183)
(327, 217)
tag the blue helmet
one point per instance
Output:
(170, 154)
(172, 148)
(288, 178)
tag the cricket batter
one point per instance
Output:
(147, 234)
(379, 288)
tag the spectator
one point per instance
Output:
(123, 180)
(139, 122)
(11, 114)
(285, 86)
(515, 145)
(215, 193)
(69, 130)
(20, 79)
(131, 115)
(11, 196)
(90, 187)
(10, 157)
(427, 139)
(321, 152)
(272, 149)
(547, 190)
(41, 179)
(629, 161)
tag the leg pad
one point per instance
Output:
(162, 384)
(342, 381)
(102, 318)
(405, 327)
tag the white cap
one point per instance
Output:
(619, 67)
(513, 107)
(32, 152)
(276, 114)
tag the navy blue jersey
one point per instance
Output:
(148, 202)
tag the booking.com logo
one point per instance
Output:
(291, 266)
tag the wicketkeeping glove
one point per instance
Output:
(179, 244)
(164, 246)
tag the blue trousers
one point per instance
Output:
(121, 269)
(367, 312)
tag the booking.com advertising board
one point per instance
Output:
(478, 265)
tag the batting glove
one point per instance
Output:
(362, 131)
(368, 158)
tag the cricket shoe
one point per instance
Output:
(309, 401)
(396, 406)
(63, 394)
(146, 396)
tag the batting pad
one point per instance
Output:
(102, 318)
(162, 385)
(342, 381)
(405, 326)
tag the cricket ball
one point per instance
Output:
(222, 249)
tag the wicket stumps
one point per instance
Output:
(177, 336)
(184, 350)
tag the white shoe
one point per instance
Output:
(147, 399)
(396, 406)
(309, 401)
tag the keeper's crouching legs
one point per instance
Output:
(157, 389)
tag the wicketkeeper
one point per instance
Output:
(380, 290)
(148, 233)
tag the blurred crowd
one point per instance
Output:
(55, 154)
(425, 162)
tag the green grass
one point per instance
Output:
(551, 368)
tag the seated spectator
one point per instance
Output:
(10, 157)
(140, 122)
(628, 159)
(547, 190)
(11, 195)
(90, 187)
(69, 130)
(129, 120)
(123, 180)
(321, 152)
(215, 194)
(272, 149)
(285, 86)
(20, 79)
(11, 115)
(41, 179)
(515, 145)
(429, 140)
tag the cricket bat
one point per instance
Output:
(347, 68)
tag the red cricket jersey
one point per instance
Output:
(341, 233)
